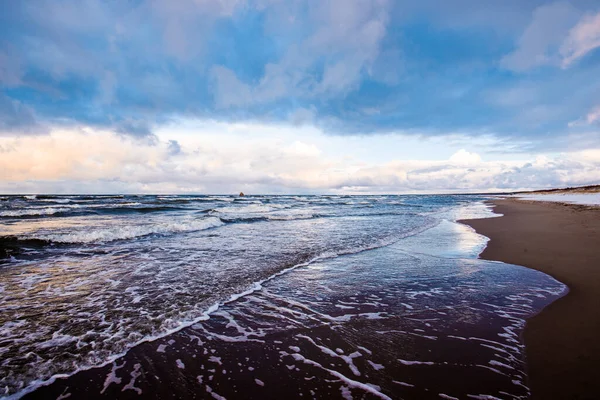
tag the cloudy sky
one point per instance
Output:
(291, 96)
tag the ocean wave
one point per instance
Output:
(223, 199)
(56, 200)
(31, 212)
(266, 217)
(12, 245)
(80, 209)
(209, 199)
(113, 233)
(252, 209)
(217, 302)
(291, 217)
(122, 209)
(261, 212)
(246, 200)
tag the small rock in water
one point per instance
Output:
(241, 194)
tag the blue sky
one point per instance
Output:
(370, 84)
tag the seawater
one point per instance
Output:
(85, 278)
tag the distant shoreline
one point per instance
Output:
(567, 190)
(561, 240)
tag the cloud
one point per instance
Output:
(463, 157)
(556, 35)
(180, 25)
(539, 42)
(133, 127)
(583, 38)
(174, 148)
(350, 67)
(16, 117)
(227, 160)
(10, 67)
(328, 60)
(593, 116)
(229, 90)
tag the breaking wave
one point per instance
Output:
(109, 234)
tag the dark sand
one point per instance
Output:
(563, 341)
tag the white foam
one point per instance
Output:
(216, 360)
(111, 377)
(215, 396)
(500, 364)
(350, 382)
(134, 375)
(57, 200)
(34, 211)
(347, 359)
(290, 216)
(404, 384)
(122, 232)
(249, 209)
(346, 393)
(411, 362)
(445, 396)
(375, 366)
(256, 286)
(58, 339)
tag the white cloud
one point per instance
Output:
(539, 42)
(556, 35)
(185, 21)
(593, 116)
(592, 155)
(463, 157)
(583, 38)
(227, 158)
(344, 34)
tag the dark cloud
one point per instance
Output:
(431, 67)
(174, 147)
(133, 127)
(17, 118)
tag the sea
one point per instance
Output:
(316, 296)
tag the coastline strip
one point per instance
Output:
(563, 241)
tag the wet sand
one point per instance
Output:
(563, 341)
(420, 319)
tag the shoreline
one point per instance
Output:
(560, 240)
(330, 338)
(206, 315)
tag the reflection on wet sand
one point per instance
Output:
(411, 320)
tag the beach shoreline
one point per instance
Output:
(379, 324)
(560, 240)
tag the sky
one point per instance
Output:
(292, 96)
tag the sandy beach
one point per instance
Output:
(562, 345)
